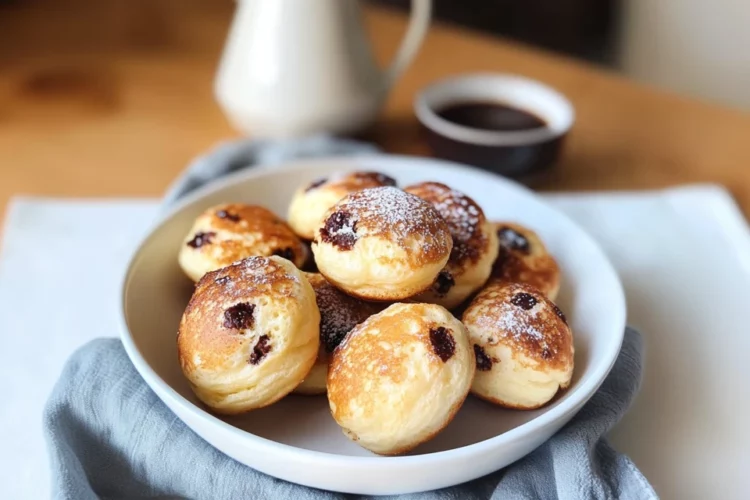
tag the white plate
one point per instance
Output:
(296, 439)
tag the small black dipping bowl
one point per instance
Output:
(507, 124)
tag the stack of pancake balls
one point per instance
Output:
(358, 296)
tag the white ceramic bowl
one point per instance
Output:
(296, 439)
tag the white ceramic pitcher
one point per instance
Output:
(297, 67)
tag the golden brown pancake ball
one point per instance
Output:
(249, 335)
(399, 378)
(523, 258)
(311, 201)
(230, 232)
(522, 343)
(382, 244)
(475, 245)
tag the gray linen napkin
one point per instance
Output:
(109, 436)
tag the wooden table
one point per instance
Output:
(101, 99)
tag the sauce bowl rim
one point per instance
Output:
(510, 89)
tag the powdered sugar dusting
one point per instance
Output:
(523, 328)
(397, 215)
(463, 215)
(537, 332)
(251, 276)
(518, 325)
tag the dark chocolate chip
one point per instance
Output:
(201, 239)
(316, 183)
(340, 230)
(546, 353)
(524, 300)
(561, 315)
(443, 342)
(513, 240)
(444, 282)
(484, 362)
(262, 347)
(285, 253)
(223, 214)
(239, 316)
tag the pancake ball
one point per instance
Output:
(522, 344)
(339, 314)
(249, 335)
(475, 245)
(400, 377)
(382, 244)
(523, 258)
(230, 232)
(310, 202)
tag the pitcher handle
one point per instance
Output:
(419, 23)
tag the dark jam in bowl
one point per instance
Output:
(490, 116)
(514, 160)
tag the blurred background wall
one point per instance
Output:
(583, 28)
(699, 48)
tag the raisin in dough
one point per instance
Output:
(400, 377)
(382, 244)
(249, 335)
(523, 258)
(522, 343)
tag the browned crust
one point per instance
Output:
(536, 267)
(464, 217)
(363, 346)
(348, 182)
(238, 219)
(539, 272)
(202, 329)
(355, 181)
(399, 217)
(539, 333)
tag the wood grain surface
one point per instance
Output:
(113, 98)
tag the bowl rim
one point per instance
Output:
(577, 397)
(428, 117)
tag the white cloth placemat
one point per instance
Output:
(60, 268)
(683, 255)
